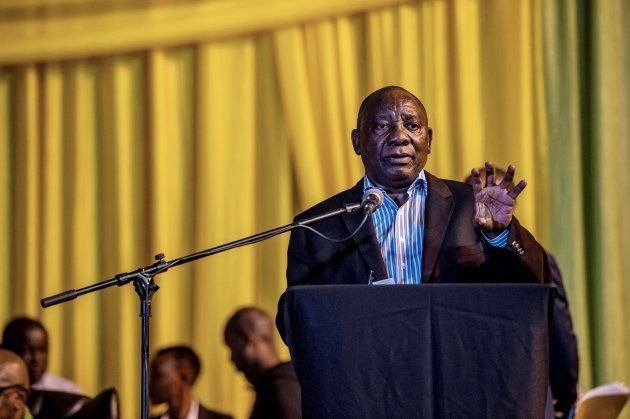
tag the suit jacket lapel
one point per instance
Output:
(365, 239)
(438, 212)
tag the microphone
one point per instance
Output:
(372, 199)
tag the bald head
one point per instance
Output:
(14, 383)
(392, 137)
(251, 321)
(249, 335)
(382, 93)
(12, 369)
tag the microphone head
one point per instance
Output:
(372, 199)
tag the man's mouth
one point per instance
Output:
(399, 159)
(36, 370)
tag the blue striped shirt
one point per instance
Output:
(400, 231)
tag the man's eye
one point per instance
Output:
(381, 125)
(412, 126)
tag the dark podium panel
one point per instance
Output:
(428, 351)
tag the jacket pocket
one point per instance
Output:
(467, 256)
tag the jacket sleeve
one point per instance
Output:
(523, 260)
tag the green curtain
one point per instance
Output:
(587, 68)
(191, 134)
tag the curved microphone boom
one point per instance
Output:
(372, 199)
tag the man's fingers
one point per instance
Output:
(489, 174)
(517, 189)
(509, 176)
(476, 181)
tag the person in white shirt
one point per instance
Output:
(28, 338)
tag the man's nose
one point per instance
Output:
(28, 356)
(398, 135)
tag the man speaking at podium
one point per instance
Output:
(427, 230)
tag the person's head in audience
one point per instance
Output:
(29, 339)
(14, 385)
(249, 334)
(174, 371)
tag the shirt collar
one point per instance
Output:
(420, 183)
(193, 412)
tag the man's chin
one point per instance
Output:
(35, 376)
(156, 401)
(401, 178)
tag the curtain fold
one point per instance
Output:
(106, 161)
(124, 219)
(586, 62)
(44, 31)
(7, 84)
(606, 138)
(225, 202)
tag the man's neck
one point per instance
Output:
(270, 362)
(264, 365)
(180, 408)
(397, 192)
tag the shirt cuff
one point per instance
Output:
(499, 241)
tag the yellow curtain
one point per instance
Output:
(138, 128)
(43, 30)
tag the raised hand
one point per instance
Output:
(494, 204)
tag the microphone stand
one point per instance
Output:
(143, 282)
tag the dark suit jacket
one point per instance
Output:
(277, 394)
(206, 414)
(453, 251)
(563, 351)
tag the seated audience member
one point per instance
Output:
(563, 353)
(249, 335)
(29, 339)
(174, 371)
(14, 387)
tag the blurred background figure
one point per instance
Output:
(249, 334)
(174, 371)
(563, 352)
(28, 338)
(14, 387)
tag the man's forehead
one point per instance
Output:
(394, 101)
(164, 361)
(35, 335)
(406, 107)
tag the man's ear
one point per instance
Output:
(430, 135)
(356, 141)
